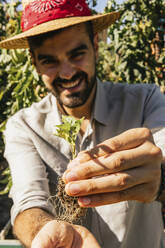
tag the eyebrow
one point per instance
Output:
(77, 49)
(45, 56)
(73, 51)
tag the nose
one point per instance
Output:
(66, 70)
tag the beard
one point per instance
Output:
(74, 99)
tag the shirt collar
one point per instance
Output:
(100, 107)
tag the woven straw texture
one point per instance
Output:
(100, 22)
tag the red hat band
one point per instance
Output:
(41, 11)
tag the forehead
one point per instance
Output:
(65, 39)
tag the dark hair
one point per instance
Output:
(37, 41)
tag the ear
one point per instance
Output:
(96, 44)
(33, 60)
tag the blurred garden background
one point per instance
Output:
(132, 51)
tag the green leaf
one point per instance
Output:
(7, 180)
(2, 126)
(69, 131)
(7, 188)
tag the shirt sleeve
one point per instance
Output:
(154, 108)
(30, 184)
(154, 116)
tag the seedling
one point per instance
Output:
(67, 207)
(69, 131)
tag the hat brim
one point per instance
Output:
(100, 22)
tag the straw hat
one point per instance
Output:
(41, 16)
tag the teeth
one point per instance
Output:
(70, 85)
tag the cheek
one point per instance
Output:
(47, 80)
(48, 74)
(87, 65)
(90, 63)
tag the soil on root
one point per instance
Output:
(67, 207)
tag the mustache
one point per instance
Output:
(74, 78)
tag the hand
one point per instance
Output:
(126, 167)
(58, 234)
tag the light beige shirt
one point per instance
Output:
(36, 157)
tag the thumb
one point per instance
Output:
(36, 243)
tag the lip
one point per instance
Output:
(73, 88)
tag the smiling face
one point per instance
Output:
(67, 64)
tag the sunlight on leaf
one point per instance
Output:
(69, 131)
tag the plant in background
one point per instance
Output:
(67, 206)
(6, 180)
(92, 3)
(20, 84)
(129, 55)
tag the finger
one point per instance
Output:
(126, 140)
(87, 239)
(142, 193)
(113, 182)
(118, 161)
(37, 243)
(42, 241)
(54, 234)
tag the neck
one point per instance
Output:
(83, 111)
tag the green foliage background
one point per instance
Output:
(127, 57)
(20, 84)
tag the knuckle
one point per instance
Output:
(156, 152)
(87, 171)
(146, 133)
(119, 162)
(91, 187)
(115, 144)
(123, 181)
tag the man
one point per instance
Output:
(117, 173)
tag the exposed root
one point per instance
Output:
(67, 207)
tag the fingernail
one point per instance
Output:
(70, 176)
(73, 188)
(85, 200)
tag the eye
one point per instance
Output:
(78, 55)
(48, 61)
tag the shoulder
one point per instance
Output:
(133, 89)
(124, 90)
(37, 111)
